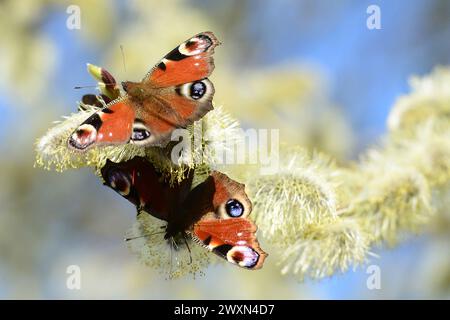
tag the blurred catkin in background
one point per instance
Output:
(340, 196)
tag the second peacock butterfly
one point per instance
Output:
(214, 213)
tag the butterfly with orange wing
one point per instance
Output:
(174, 94)
(214, 213)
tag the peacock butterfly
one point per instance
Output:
(174, 94)
(214, 213)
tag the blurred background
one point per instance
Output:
(310, 68)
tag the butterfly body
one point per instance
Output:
(215, 212)
(174, 94)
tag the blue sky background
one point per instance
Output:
(366, 70)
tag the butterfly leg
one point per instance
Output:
(171, 253)
(187, 245)
(140, 209)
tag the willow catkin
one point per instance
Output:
(170, 257)
(296, 196)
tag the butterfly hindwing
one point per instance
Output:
(111, 125)
(233, 240)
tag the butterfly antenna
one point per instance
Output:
(94, 86)
(123, 58)
(82, 87)
(143, 236)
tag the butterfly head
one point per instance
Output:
(135, 90)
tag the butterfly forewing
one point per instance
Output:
(190, 61)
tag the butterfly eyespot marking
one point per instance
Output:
(189, 43)
(86, 133)
(206, 39)
(140, 133)
(200, 90)
(243, 256)
(197, 90)
(119, 181)
(234, 208)
(195, 45)
(83, 137)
